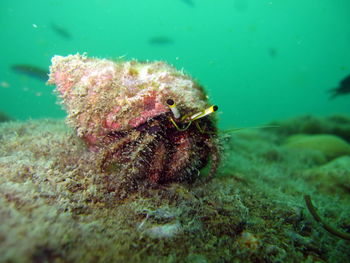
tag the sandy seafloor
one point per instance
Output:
(55, 207)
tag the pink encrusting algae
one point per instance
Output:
(120, 110)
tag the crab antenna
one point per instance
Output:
(173, 108)
(204, 113)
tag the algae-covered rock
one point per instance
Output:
(332, 177)
(4, 117)
(329, 145)
(338, 125)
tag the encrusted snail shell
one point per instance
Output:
(120, 110)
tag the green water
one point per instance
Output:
(258, 60)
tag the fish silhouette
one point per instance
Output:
(342, 89)
(188, 2)
(31, 71)
(160, 40)
(61, 31)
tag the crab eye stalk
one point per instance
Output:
(204, 113)
(172, 105)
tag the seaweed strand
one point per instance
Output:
(327, 227)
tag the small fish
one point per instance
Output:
(4, 117)
(160, 40)
(61, 31)
(188, 2)
(31, 71)
(272, 52)
(342, 89)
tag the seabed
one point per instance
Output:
(55, 206)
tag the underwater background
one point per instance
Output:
(278, 193)
(258, 60)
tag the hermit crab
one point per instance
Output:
(144, 120)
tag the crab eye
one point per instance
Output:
(204, 113)
(170, 102)
(172, 105)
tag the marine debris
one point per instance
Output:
(145, 120)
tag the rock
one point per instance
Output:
(330, 146)
(338, 125)
(4, 117)
(332, 177)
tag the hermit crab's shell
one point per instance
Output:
(102, 95)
